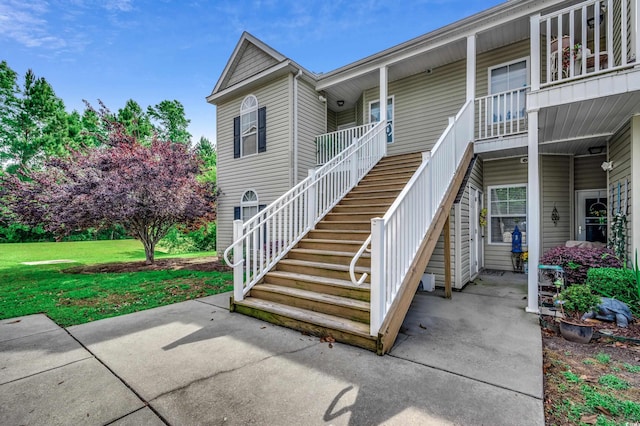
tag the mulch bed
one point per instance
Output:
(204, 264)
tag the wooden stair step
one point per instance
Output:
(316, 323)
(384, 182)
(326, 285)
(331, 270)
(383, 173)
(360, 208)
(341, 235)
(329, 256)
(355, 199)
(354, 216)
(346, 225)
(339, 306)
(330, 244)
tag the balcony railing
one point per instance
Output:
(589, 38)
(502, 114)
(330, 144)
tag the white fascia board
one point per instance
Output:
(251, 81)
(500, 144)
(586, 89)
(475, 24)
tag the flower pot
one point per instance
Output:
(579, 333)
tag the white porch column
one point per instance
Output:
(636, 11)
(635, 186)
(533, 216)
(383, 93)
(471, 68)
(535, 53)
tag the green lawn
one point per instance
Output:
(71, 299)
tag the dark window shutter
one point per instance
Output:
(261, 207)
(236, 137)
(262, 129)
(236, 213)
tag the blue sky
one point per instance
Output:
(115, 50)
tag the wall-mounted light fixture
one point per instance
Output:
(607, 166)
(594, 150)
(340, 103)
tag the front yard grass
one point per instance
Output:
(75, 298)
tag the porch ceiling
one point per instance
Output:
(575, 127)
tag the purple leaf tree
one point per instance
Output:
(146, 188)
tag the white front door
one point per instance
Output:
(591, 215)
(475, 234)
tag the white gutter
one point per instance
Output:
(295, 126)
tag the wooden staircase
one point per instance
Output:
(311, 290)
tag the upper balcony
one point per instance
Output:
(584, 40)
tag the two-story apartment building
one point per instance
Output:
(544, 94)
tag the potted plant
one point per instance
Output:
(574, 301)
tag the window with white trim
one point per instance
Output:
(508, 82)
(248, 205)
(249, 126)
(507, 208)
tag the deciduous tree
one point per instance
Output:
(170, 121)
(146, 188)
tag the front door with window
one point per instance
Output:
(591, 215)
(374, 116)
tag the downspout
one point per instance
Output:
(295, 126)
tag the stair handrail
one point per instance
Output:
(262, 241)
(414, 209)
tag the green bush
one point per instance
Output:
(201, 239)
(615, 283)
(578, 299)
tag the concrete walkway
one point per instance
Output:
(475, 359)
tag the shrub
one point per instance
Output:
(576, 261)
(201, 239)
(578, 299)
(619, 284)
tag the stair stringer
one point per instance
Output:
(400, 306)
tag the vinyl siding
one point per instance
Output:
(588, 174)
(266, 173)
(332, 121)
(251, 62)
(620, 154)
(501, 172)
(311, 122)
(423, 104)
(436, 264)
(346, 117)
(555, 192)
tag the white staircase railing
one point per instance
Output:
(260, 242)
(591, 37)
(502, 114)
(396, 238)
(331, 144)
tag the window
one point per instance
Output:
(374, 116)
(248, 205)
(250, 129)
(508, 83)
(249, 126)
(507, 208)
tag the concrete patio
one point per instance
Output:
(475, 359)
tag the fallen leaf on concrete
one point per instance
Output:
(330, 345)
(422, 326)
(13, 322)
(328, 339)
(262, 328)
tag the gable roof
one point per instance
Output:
(252, 60)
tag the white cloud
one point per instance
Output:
(24, 22)
(119, 5)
